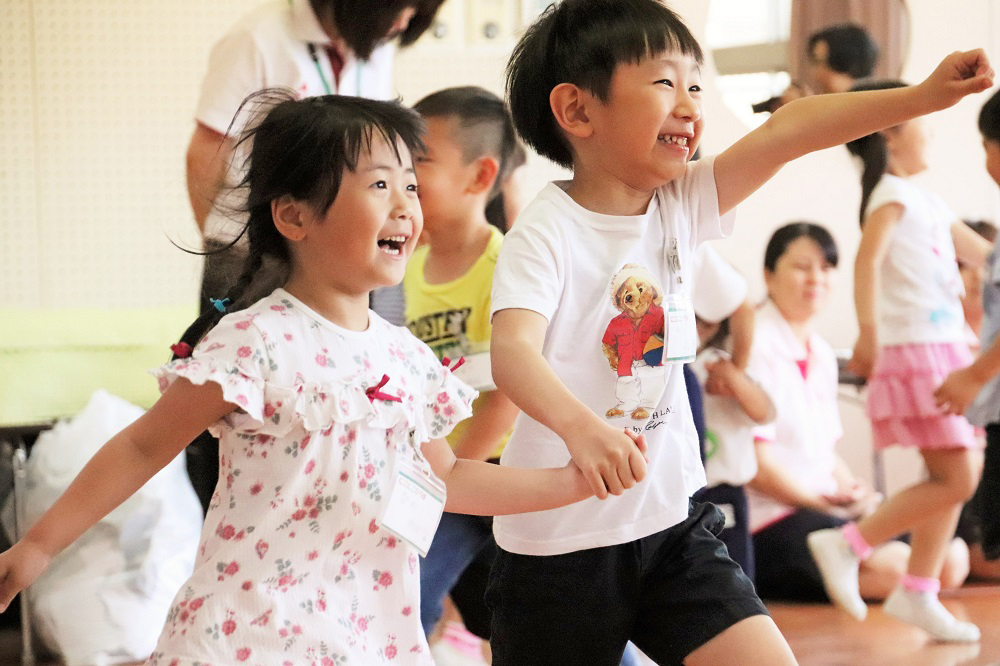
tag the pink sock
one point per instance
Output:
(462, 639)
(857, 542)
(919, 584)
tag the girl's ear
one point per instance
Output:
(290, 217)
(569, 106)
(487, 169)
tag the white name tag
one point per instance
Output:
(681, 330)
(414, 507)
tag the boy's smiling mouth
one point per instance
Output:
(673, 139)
(393, 245)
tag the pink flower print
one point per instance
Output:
(309, 501)
(296, 630)
(372, 527)
(304, 444)
(299, 515)
(442, 397)
(232, 568)
(343, 534)
(197, 603)
(390, 651)
(247, 585)
(312, 555)
(256, 488)
(288, 337)
(229, 626)
(321, 360)
(369, 471)
(244, 352)
(383, 579)
(313, 513)
(344, 476)
(363, 623)
(310, 466)
(391, 542)
(243, 325)
(227, 532)
(243, 654)
(278, 308)
(268, 410)
(241, 400)
(261, 548)
(407, 610)
(449, 411)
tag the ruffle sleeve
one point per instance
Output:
(448, 400)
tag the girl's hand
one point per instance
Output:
(863, 358)
(958, 75)
(576, 483)
(958, 391)
(19, 567)
(721, 376)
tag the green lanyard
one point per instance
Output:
(319, 70)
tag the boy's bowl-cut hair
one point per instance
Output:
(582, 42)
(989, 118)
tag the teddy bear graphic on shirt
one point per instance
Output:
(633, 342)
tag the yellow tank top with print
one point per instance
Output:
(453, 318)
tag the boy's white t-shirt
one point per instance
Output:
(729, 433)
(920, 283)
(561, 261)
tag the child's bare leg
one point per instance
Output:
(929, 543)
(750, 642)
(953, 475)
(957, 565)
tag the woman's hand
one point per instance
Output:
(19, 567)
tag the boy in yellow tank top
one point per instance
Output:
(471, 150)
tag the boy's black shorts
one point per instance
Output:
(669, 593)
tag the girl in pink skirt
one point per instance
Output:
(907, 289)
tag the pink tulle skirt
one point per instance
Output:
(900, 399)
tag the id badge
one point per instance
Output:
(681, 330)
(414, 507)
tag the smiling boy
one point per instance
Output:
(612, 90)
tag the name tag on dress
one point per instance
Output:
(682, 332)
(414, 507)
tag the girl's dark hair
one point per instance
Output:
(788, 234)
(364, 24)
(989, 119)
(484, 127)
(298, 148)
(852, 50)
(582, 42)
(872, 148)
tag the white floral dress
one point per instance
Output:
(293, 568)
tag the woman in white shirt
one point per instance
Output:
(802, 485)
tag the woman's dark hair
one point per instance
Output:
(582, 42)
(989, 118)
(852, 50)
(872, 148)
(364, 24)
(298, 148)
(788, 234)
(484, 127)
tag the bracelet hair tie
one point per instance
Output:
(219, 303)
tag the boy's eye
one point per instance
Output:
(421, 159)
(695, 89)
(666, 82)
(413, 187)
(380, 184)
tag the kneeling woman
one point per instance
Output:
(802, 484)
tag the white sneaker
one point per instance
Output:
(839, 567)
(924, 610)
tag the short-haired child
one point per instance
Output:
(585, 282)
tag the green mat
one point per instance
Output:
(52, 360)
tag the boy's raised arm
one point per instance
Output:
(610, 460)
(823, 121)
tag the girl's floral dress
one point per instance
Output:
(293, 567)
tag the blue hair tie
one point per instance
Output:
(219, 303)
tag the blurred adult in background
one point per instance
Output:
(802, 484)
(839, 56)
(315, 47)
